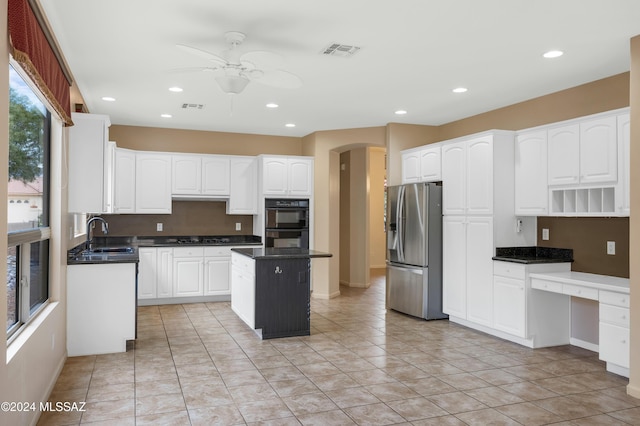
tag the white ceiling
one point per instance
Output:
(413, 53)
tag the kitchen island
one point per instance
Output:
(271, 291)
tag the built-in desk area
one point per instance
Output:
(612, 294)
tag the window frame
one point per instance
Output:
(22, 239)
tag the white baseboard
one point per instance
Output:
(584, 344)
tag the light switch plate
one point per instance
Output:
(545, 234)
(238, 226)
(159, 226)
(611, 247)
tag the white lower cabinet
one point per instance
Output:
(188, 273)
(243, 289)
(614, 331)
(217, 270)
(509, 305)
(467, 268)
(173, 273)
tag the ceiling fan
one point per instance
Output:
(233, 69)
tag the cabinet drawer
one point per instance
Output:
(217, 251)
(614, 315)
(614, 344)
(188, 251)
(509, 270)
(616, 299)
(243, 264)
(546, 285)
(579, 291)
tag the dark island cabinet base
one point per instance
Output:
(282, 297)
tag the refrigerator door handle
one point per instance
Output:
(400, 222)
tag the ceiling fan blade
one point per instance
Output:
(263, 59)
(202, 53)
(281, 79)
(193, 69)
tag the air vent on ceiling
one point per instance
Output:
(192, 106)
(343, 50)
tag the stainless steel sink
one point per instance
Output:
(101, 250)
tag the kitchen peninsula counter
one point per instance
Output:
(271, 289)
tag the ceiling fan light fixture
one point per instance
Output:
(233, 84)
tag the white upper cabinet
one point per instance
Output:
(599, 150)
(480, 176)
(422, 165)
(215, 175)
(564, 155)
(124, 187)
(584, 152)
(287, 176)
(243, 197)
(200, 175)
(187, 175)
(531, 190)
(88, 163)
(454, 177)
(153, 183)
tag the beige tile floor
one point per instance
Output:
(198, 364)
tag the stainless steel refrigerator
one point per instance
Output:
(414, 249)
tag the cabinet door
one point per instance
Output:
(598, 151)
(87, 145)
(430, 166)
(454, 178)
(186, 175)
(153, 183)
(187, 276)
(243, 194)
(217, 276)
(300, 177)
(564, 155)
(454, 279)
(124, 187)
(479, 190)
(274, 176)
(614, 344)
(531, 190)
(411, 167)
(243, 295)
(164, 271)
(479, 270)
(509, 305)
(624, 165)
(215, 175)
(147, 287)
(109, 176)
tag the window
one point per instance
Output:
(28, 227)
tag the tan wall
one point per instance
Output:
(588, 238)
(377, 174)
(591, 98)
(345, 216)
(359, 219)
(176, 140)
(186, 218)
(401, 137)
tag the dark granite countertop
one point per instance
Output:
(280, 253)
(125, 249)
(534, 254)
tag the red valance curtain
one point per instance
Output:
(30, 48)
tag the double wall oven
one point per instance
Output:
(287, 223)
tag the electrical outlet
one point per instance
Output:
(238, 226)
(545, 234)
(611, 247)
(159, 226)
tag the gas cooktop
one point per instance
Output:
(204, 240)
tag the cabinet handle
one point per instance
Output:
(623, 341)
(624, 317)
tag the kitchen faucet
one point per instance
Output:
(105, 229)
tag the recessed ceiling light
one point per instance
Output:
(108, 99)
(459, 90)
(400, 112)
(166, 115)
(272, 105)
(553, 54)
(290, 125)
(175, 89)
